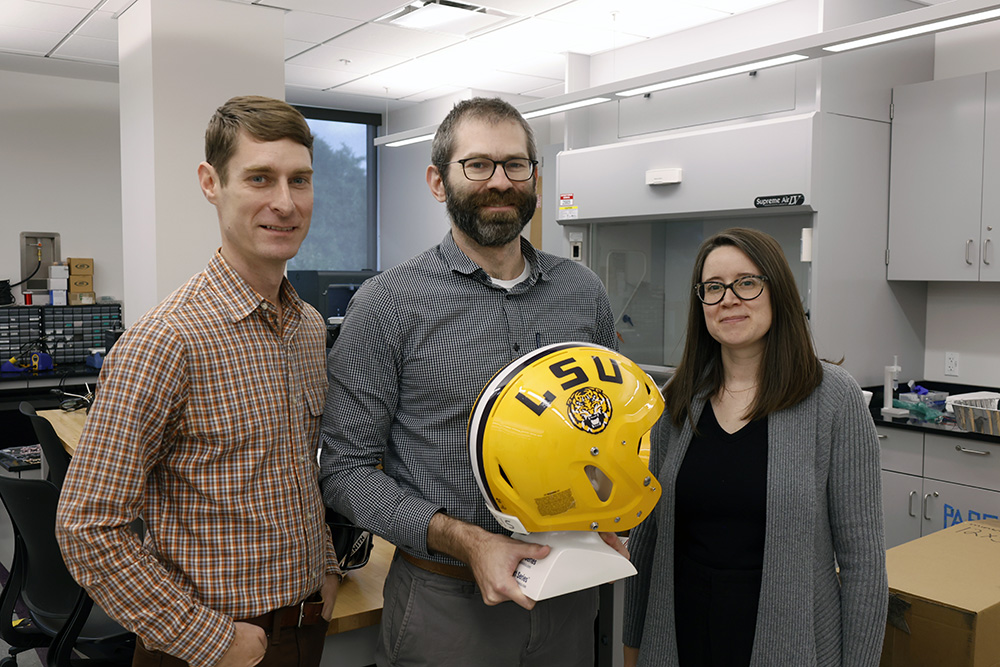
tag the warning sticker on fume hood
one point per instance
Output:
(567, 207)
(779, 200)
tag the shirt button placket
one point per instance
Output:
(513, 320)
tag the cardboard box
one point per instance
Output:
(82, 298)
(82, 266)
(57, 297)
(81, 283)
(944, 599)
(58, 271)
(58, 284)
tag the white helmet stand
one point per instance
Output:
(577, 560)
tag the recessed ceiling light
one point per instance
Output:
(456, 18)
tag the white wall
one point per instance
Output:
(965, 317)
(59, 171)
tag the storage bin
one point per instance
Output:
(979, 415)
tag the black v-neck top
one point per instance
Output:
(722, 495)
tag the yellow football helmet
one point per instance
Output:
(555, 441)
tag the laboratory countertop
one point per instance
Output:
(912, 423)
(62, 375)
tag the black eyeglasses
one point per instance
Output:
(483, 168)
(746, 288)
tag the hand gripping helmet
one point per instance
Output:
(555, 441)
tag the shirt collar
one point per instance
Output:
(458, 261)
(240, 299)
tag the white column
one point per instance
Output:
(577, 128)
(179, 60)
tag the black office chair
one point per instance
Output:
(55, 454)
(61, 614)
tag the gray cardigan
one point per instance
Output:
(824, 510)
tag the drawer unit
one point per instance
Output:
(963, 461)
(66, 332)
(902, 450)
(932, 481)
(20, 326)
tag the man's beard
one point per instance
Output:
(490, 229)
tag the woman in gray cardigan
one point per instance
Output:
(766, 547)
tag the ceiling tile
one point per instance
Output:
(39, 16)
(390, 39)
(372, 86)
(547, 91)
(556, 37)
(294, 47)
(402, 80)
(522, 7)
(366, 10)
(494, 51)
(316, 28)
(312, 77)
(648, 18)
(80, 4)
(33, 42)
(508, 82)
(101, 25)
(90, 49)
(330, 56)
(116, 6)
(735, 6)
(434, 93)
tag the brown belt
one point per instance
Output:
(307, 612)
(462, 572)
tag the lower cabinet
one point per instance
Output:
(901, 507)
(932, 481)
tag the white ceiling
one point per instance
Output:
(334, 49)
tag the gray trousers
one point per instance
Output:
(433, 620)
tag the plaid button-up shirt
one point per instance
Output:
(206, 424)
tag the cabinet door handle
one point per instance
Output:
(987, 244)
(968, 251)
(909, 503)
(926, 496)
(960, 448)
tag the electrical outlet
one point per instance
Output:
(951, 364)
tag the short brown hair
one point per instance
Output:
(491, 109)
(263, 118)
(790, 369)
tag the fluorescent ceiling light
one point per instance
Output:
(917, 30)
(450, 17)
(717, 74)
(566, 107)
(411, 140)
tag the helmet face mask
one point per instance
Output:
(555, 441)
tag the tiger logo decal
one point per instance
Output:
(589, 409)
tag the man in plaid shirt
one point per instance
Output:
(205, 426)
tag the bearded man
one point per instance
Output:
(418, 344)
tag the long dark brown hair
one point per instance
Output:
(790, 370)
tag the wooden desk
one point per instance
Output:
(359, 602)
(67, 425)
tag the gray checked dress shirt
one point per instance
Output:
(418, 344)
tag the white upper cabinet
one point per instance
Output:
(944, 196)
